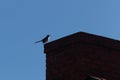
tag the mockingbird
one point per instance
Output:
(44, 40)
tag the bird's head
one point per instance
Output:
(48, 35)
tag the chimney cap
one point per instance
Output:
(82, 37)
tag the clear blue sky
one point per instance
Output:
(23, 22)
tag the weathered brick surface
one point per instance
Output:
(76, 56)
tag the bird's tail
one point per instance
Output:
(38, 41)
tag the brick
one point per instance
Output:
(76, 56)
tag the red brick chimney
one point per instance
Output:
(77, 56)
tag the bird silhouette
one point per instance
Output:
(44, 40)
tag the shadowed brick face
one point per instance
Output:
(81, 54)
